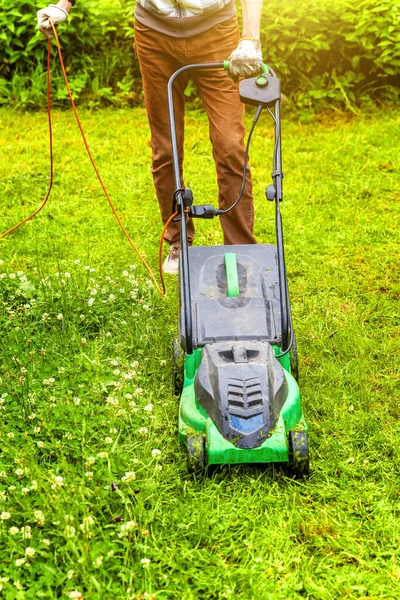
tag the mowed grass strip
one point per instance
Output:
(95, 498)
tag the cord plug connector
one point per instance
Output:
(204, 211)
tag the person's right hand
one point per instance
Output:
(51, 13)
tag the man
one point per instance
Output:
(168, 35)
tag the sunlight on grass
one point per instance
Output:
(95, 498)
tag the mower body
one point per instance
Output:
(239, 402)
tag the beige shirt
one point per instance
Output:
(184, 18)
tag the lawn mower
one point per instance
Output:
(235, 359)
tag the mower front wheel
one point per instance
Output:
(299, 462)
(196, 453)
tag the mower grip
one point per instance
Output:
(264, 67)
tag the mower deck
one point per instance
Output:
(239, 403)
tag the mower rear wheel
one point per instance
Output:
(178, 368)
(196, 453)
(299, 462)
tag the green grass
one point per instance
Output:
(88, 397)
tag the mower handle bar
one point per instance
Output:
(185, 279)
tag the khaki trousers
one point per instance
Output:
(160, 56)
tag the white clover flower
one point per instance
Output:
(98, 562)
(143, 431)
(70, 574)
(13, 530)
(108, 440)
(67, 275)
(19, 473)
(112, 401)
(77, 401)
(69, 531)
(138, 392)
(145, 562)
(60, 316)
(148, 408)
(75, 594)
(34, 485)
(158, 467)
(30, 552)
(111, 298)
(163, 363)
(36, 429)
(126, 528)
(32, 416)
(129, 476)
(39, 517)
(86, 524)
(102, 455)
(12, 275)
(40, 444)
(116, 372)
(5, 516)
(3, 496)
(156, 453)
(91, 301)
(20, 561)
(26, 532)
(90, 461)
(18, 585)
(83, 341)
(12, 488)
(57, 482)
(110, 553)
(125, 273)
(25, 490)
(46, 542)
(61, 370)
(11, 435)
(89, 475)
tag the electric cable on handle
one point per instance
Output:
(161, 290)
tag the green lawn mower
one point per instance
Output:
(235, 362)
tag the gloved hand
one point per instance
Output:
(53, 12)
(246, 60)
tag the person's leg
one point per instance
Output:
(220, 96)
(159, 57)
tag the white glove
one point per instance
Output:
(53, 12)
(246, 60)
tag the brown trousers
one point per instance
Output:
(160, 56)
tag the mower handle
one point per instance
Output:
(264, 67)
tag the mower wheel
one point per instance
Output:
(298, 454)
(294, 360)
(196, 454)
(178, 368)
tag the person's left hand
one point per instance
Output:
(246, 60)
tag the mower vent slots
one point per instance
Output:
(244, 398)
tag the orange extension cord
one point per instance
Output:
(161, 290)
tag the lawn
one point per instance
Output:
(95, 497)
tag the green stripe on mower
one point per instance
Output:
(232, 278)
